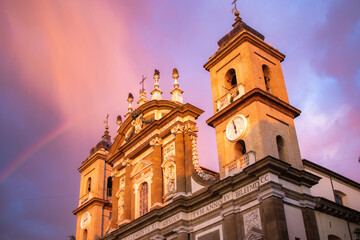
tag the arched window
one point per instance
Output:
(267, 77)
(85, 234)
(109, 187)
(239, 148)
(88, 185)
(281, 147)
(144, 190)
(333, 237)
(230, 79)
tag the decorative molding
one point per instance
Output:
(190, 128)
(271, 192)
(307, 203)
(195, 158)
(155, 141)
(177, 129)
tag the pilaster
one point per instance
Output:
(178, 131)
(128, 194)
(189, 131)
(157, 190)
(273, 218)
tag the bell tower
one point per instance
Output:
(94, 210)
(252, 115)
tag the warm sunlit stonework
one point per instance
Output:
(148, 184)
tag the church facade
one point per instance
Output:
(148, 183)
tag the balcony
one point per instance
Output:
(239, 164)
(86, 197)
(231, 96)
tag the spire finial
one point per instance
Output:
(106, 122)
(176, 92)
(236, 12)
(130, 99)
(156, 93)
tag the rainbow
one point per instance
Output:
(61, 129)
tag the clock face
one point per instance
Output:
(236, 127)
(85, 220)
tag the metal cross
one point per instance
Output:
(106, 122)
(234, 9)
(142, 84)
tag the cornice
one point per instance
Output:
(254, 95)
(328, 172)
(336, 210)
(93, 201)
(244, 36)
(90, 160)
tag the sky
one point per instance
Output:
(65, 65)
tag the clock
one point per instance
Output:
(85, 220)
(236, 127)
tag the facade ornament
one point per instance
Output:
(179, 128)
(169, 175)
(190, 128)
(155, 141)
(130, 100)
(169, 151)
(118, 121)
(138, 123)
(169, 169)
(156, 93)
(195, 160)
(176, 92)
(121, 206)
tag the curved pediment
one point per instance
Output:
(152, 118)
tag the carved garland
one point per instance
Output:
(192, 129)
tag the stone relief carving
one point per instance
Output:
(169, 174)
(169, 171)
(169, 151)
(179, 128)
(190, 128)
(121, 206)
(122, 183)
(195, 158)
(155, 141)
(252, 219)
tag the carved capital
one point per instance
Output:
(179, 128)
(190, 128)
(155, 141)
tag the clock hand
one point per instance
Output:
(234, 126)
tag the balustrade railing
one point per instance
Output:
(232, 95)
(86, 197)
(239, 164)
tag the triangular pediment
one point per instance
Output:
(140, 167)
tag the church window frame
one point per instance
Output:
(109, 187)
(145, 177)
(340, 198)
(239, 148)
(268, 79)
(231, 80)
(282, 149)
(88, 185)
(144, 199)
